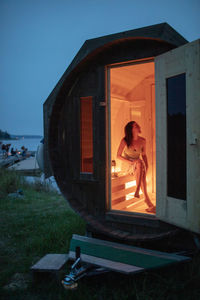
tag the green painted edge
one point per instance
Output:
(141, 260)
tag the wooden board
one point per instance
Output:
(122, 180)
(123, 204)
(108, 264)
(120, 257)
(50, 263)
(123, 192)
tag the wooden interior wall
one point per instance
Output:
(120, 116)
(142, 102)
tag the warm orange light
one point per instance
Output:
(130, 196)
(130, 184)
(115, 169)
(142, 200)
(132, 98)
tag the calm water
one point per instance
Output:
(31, 144)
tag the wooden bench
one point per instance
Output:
(119, 257)
(119, 192)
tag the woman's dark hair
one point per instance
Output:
(128, 133)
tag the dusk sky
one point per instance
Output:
(39, 39)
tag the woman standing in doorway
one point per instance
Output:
(129, 151)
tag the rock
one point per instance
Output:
(18, 194)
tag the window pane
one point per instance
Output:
(86, 133)
(176, 137)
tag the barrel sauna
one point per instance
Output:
(110, 82)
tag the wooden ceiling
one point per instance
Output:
(125, 79)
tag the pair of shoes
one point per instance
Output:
(151, 209)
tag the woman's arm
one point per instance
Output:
(144, 156)
(121, 147)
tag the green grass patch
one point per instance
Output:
(42, 222)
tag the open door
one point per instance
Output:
(177, 82)
(131, 95)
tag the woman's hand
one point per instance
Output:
(132, 162)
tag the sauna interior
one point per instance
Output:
(132, 98)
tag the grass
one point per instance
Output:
(42, 222)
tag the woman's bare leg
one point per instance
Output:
(144, 189)
(138, 177)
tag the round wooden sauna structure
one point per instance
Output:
(109, 83)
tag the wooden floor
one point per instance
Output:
(135, 205)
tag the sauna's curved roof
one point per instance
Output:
(163, 32)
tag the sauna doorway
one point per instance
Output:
(131, 97)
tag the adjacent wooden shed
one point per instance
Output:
(150, 75)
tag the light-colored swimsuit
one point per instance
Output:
(133, 155)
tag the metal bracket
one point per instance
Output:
(193, 140)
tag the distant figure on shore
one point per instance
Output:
(24, 152)
(5, 149)
(14, 152)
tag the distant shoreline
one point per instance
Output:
(21, 137)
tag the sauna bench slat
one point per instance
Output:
(122, 179)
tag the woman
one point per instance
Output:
(133, 145)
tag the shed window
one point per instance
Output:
(176, 137)
(86, 134)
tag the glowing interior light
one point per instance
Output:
(130, 184)
(129, 196)
(115, 169)
(136, 113)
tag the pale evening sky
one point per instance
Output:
(39, 39)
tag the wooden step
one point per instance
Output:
(50, 263)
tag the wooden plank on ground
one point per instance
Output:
(50, 263)
(108, 264)
(119, 253)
